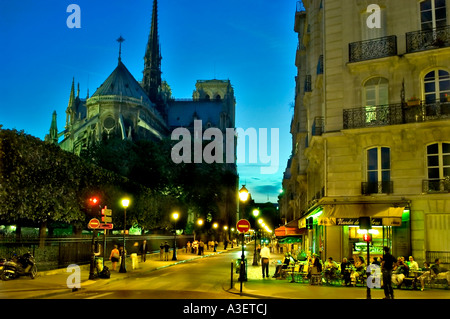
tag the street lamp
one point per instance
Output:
(175, 216)
(125, 204)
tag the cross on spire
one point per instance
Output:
(120, 40)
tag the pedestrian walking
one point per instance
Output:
(265, 258)
(114, 257)
(161, 251)
(166, 251)
(386, 267)
(215, 245)
(143, 250)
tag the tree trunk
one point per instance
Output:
(42, 234)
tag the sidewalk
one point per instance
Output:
(272, 288)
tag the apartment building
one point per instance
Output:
(371, 128)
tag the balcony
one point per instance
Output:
(391, 114)
(385, 187)
(372, 49)
(431, 186)
(428, 39)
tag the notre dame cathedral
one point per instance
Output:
(134, 110)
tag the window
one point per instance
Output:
(433, 14)
(373, 33)
(438, 164)
(379, 170)
(376, 92)
(436, 86)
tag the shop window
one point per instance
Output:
(378, 171)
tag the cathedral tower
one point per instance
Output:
(152, 60)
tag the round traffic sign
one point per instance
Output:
(94, 223)
(243, 225)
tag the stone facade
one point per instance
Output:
(357, 139)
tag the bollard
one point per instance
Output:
(231, 284)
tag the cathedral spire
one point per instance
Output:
(152, 59)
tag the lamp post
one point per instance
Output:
(125, 204)
(255, 255)
(175, 216)
(243, 196)
(200, 224)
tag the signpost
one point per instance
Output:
(94, 223)
(243, 226)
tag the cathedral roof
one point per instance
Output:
(122, 83)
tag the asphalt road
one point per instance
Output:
(198, 279)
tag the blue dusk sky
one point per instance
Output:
(250, 42)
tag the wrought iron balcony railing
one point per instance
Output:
(385, 187)
(428, 39)
(436, 185)
(372, 49)
(392, 114)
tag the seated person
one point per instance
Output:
(360, 269)
(412, 264)
(434, 272)
(346, 269)
(440, 272)
(426, 274)
(400, 272)
(330, 269)
(287, 260)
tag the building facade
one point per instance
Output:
(371, 127)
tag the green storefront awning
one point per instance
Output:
(290, 240)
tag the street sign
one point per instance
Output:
(243, 226)
(106, 226)
(106, 215)
(94, 223)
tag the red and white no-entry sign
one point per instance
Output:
(94, 223)
(243, 225)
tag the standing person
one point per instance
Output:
(215, 245)
(161, 251)
(386, 268)
(265, 257)
(188, 247)
(114, 257)
(143, 250)
(166, 251)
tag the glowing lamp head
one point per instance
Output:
(125, 202)
(243, 194)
